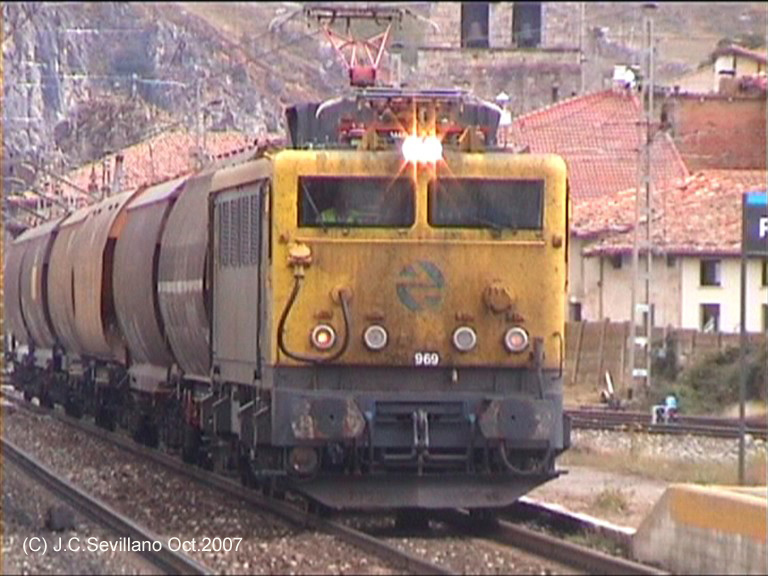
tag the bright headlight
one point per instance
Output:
(323, 337)
(516, 339)
(422, 150)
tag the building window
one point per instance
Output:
(474, 24)
(526, 24)
(575, 311)
(616, 261)
(764, 274)
(710, 273)
(710, 317)
(765, 318)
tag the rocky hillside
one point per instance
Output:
(83, 79)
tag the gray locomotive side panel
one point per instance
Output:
(237, 252)
(34, 284)
(135, 276)
(182, 289)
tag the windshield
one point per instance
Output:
(481, 203)
(351, 201)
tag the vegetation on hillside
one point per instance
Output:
(711, 384)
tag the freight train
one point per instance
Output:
(372, 315)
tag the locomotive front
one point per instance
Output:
(418, 280)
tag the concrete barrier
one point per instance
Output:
(706, 530)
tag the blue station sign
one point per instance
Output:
(755, 224)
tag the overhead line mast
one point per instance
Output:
(641, 344)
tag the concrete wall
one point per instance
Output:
(676, 291)
(719, 131)
(727, 295)
(697, 82)
(740, 65)
(705, 530)
(607, 290)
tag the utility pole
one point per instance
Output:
(198, 121)
(641, 343)
(582, 44)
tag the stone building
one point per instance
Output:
(530, 50)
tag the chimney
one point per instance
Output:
(117, 184)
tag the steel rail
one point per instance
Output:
(546, 546)
(165, 559)
(670, 429)
(302, 518)
(694, 425)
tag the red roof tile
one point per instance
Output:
(702, 216)
(157, 159)
(597, 134)
(757, 56)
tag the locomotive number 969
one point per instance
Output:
(426, 359)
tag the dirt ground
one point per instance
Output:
(618, 498)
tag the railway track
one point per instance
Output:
(583, 558)
(290, 513)
(165, 559)
(711, 426)
(501, 532)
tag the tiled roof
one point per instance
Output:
(702, 216)
(597, 135)
(157, 159)
(741, 51)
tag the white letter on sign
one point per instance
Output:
(763, 226)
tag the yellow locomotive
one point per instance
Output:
(373, 316)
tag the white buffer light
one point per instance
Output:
(422, 150)
(375, 337)
(464, 339)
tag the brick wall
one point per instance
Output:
(719, 132)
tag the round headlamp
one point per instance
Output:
(323, 337)
(375, 337)
(464, 339)
(516, 339)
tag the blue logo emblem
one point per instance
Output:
(420, 286)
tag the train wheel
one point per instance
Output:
(46, 401)
(152, 435)
(411, 519)
(483, 518)
(105, 418)
(73, 408)
(191, 446)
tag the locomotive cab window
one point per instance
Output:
(480, 203)
(355, 202)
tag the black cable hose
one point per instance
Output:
(284, 317)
